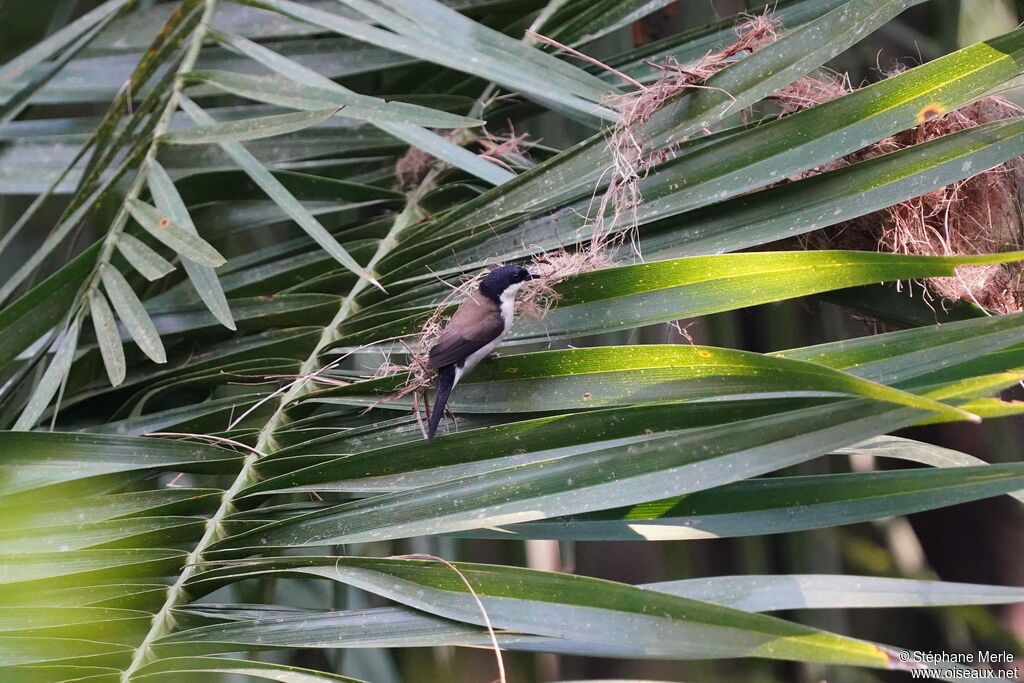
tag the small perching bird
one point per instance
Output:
(477, 327)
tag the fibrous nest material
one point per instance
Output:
(977, 215)
(629, 161)
(412, 167)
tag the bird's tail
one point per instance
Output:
(445, 382)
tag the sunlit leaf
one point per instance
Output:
(567, 606)
(561, 380)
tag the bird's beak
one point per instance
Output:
(534, 276)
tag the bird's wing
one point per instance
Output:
(475, 324)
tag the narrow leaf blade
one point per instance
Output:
(133, 314)
(107, 336)
(51, 381)
(249, 129)
(417, 136)
(286, 93)
(203, 278)
(566, 606)
(150, 264)
(281, 196)
(163, 228)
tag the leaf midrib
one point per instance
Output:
(265, 445)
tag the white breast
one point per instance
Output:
(507, 309)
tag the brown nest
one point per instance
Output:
(978, 215)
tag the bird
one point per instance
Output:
(478, 325)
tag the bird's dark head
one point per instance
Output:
(502, 280)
